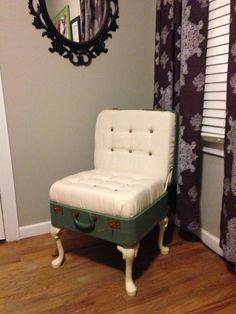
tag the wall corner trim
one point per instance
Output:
(8, 195)
(210, 241)
(35, 229)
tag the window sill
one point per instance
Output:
(213, 145)
(213, 151)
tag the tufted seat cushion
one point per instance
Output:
(110, 192)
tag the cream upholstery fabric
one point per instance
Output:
(136, 141)
(109, 192)
(133, 157)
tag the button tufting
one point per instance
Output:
(151, 131)
(150, 153)
(94, 186)
(130, 151)
(130, 130)
(115, 190)
(112, 149)
(112, 129)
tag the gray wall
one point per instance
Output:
(211, 193)
(52, 105)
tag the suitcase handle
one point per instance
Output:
(83, 226)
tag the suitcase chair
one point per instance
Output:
(126, 195)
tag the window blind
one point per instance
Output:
(214, 107)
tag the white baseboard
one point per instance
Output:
(210, 240)
(35, 229)
(44, 227)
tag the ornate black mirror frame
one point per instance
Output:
(79, 53)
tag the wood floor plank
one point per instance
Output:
(191, 279)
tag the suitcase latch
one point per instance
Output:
(58, 210)
(114, 224)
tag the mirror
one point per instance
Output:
(80, 20)
(78, 29)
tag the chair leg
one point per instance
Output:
(56, 234)
(129, 255)
(163, 224)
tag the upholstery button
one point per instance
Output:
(94, 186)
(112, 149)
(150, 153)
(115, 190)
(130, 130)
(130, 151)
(151, 131)
(112, 129)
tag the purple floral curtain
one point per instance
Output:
(181, 38)
(228, 216)
(91, 17)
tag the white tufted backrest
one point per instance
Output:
(135, 141)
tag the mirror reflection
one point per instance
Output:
(77, 20)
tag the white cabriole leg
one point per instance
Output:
(163, 224)
(56, 234)
(129, 255)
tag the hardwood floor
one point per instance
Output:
(191, 279)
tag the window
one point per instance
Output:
(214, 108)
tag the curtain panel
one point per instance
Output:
(92, 17)
(228, 216)
(180, 59)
